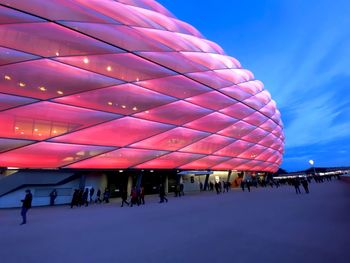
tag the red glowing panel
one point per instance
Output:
(43, 120)
(205, 163)
(124, 99)
(8, 144)
(256, 135)
(8, 56)
(170, 161)
(269, 110)
(269, 125)
(266, 155)
(213, 100)
(49, 155)
(121, 158)
(9, 101)
(173, 60)
(188, 29)
(235, 148)
(238, 130)
(238, 111)
(268, 141)
(210, 79)
(198, 43)
(171, 140)
(120, 132)
(230, 164)
(254, 103)
(176, 86)
(209, 144)
(10, 16)
(252, 152)
(177, 113)
(213, 122)
(150, 5)
(121, 36)
(114, 65)
(209, 60)
(235, 92)
(59, 10)
(40, 79)
(57, 40)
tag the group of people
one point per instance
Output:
(83, 197)
(220, 187)
(137, 196)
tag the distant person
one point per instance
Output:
(217, 188)
(85, 197)
(162, 194)
(201, 186)
(75, 199)
(182, 193)
(211, 185)
(248, 185)
(296, 185)
(133, 197)
(26, 205)
(142, 195)
(242, 185)
(305, 185)
(98, 196)
(91, 194)
(125, 198)
(106, 195)
(53, 196)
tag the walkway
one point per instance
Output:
(266, 225)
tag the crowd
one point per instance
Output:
(82, 197)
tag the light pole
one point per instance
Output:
(312, 162)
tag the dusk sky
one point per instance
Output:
(301, 51)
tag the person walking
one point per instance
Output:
(85, 197)
(142, 195)
(26, 205)
(162, 195)
(75, 198)
(248, 185)
(98, 196)
(53, 196)
(91, 194)
(305, 185)
(296, 184)
(106, 195)
(124, 198)
(242, 185)
(133, 197)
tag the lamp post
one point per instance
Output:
(312, 162)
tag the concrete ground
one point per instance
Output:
(266, 225)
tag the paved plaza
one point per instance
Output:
(266, 225)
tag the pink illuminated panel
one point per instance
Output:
(8, 56)
(116, 133)
(213, 122)
(43, 81)
(177, 113)
(43, 120)
(171, 140)
(103, 84)
(170, 161)
(121, 158)
(176, 86)
(205, 163)
(213, 100)
(124, 99)
(114, 66)
(209, 144)
(8, 144)
(49, 155)
(9, 101)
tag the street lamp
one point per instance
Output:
(312, 162)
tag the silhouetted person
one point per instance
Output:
(106, 195)
(53, 196)
(26, 205)
(98, 196)
(91, 194)
(248, 185)
(85, 197)
(80, 197)
(75, 198)
(211, 186)
(162, 195)
(142, 195)
(124, 198)
(242, 185)
(296, 184)
(305, 185)
(217, 188)
(182, 193)
(133, 197)
(200, 186)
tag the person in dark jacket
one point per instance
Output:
(85, 197)
(124, 197)
(98, 196)
(305, 185)
(26, 205)
(162, 195)
(91, 194)
(75, 198)
(53, 196)
(296, 185)
(142, 195)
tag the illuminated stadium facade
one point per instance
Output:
(102, 85)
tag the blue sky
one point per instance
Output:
(300, 49)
